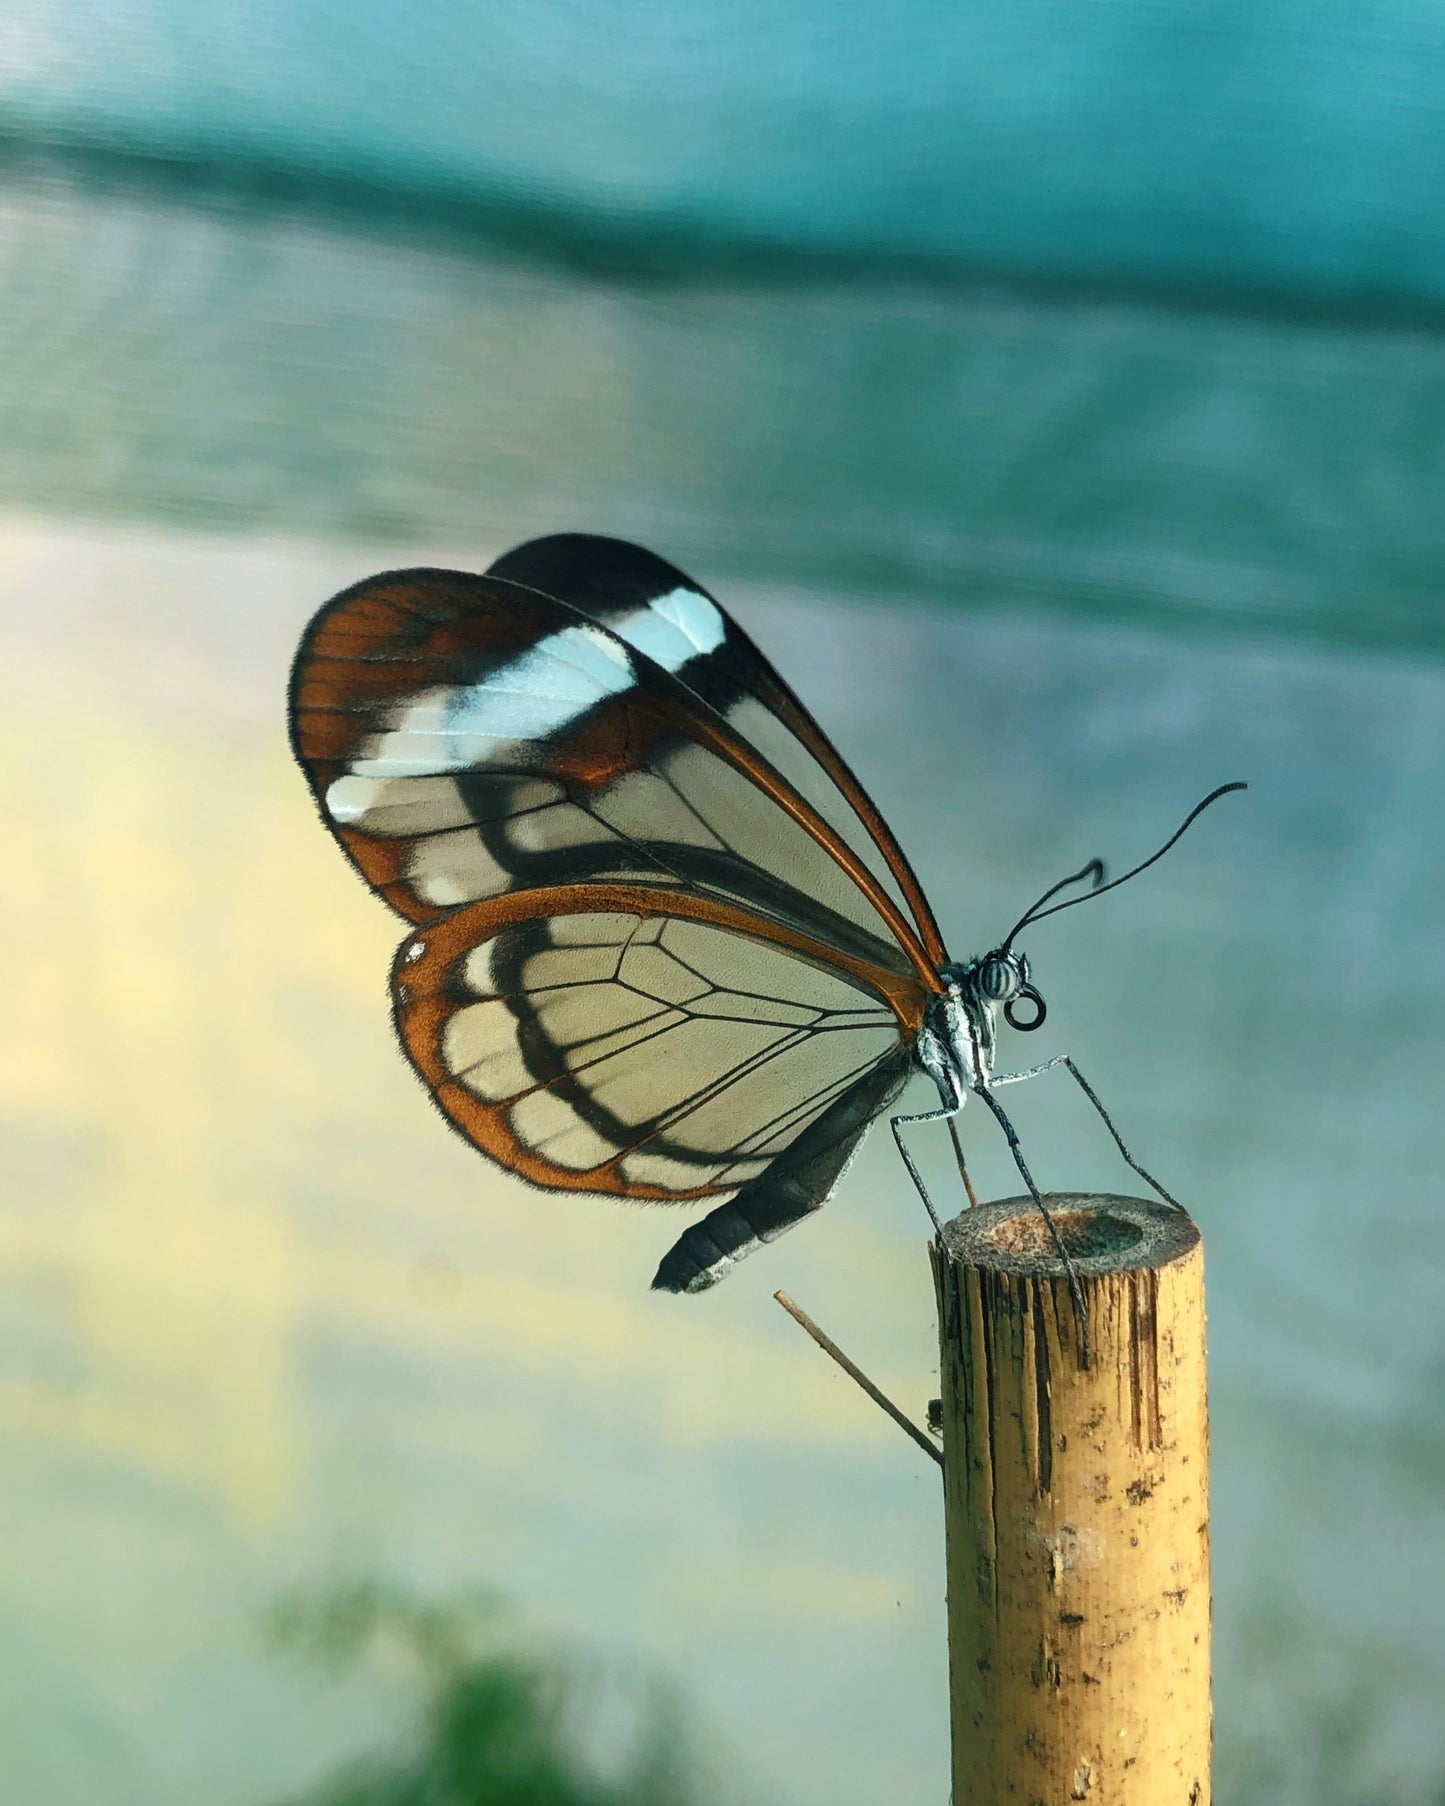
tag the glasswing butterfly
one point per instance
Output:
(665, 947)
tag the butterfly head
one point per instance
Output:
(999, 980)
(1003, 977)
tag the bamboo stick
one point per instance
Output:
(859, 1378)
(1076, 1505)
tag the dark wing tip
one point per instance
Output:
(601, 576)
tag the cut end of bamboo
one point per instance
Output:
(1102, 1233)
(1076, 1502)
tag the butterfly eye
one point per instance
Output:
(997, 979)
(1026, 1024)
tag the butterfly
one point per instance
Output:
(664, 947)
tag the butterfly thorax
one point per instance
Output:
(959, 1038)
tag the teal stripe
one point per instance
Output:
(993, 451)
(1264, 146)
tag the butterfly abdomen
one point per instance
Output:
(799, 1181)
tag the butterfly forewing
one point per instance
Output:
(611, 1039)
(467, 737)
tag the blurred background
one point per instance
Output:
(1058, 393)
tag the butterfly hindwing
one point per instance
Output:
(613, 1039)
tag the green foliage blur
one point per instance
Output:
(498, 1723)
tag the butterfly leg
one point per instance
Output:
(1005, 1078)
(946, 1114)
(1029, 1072)
(1076, 1291)
(1129, 1160)
(1032, 1072)
(962, 1163)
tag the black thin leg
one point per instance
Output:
(895, 1123)
(1129, 1160)
(1076, 1291)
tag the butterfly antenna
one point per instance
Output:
(1037, 914)
(1094, 871)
